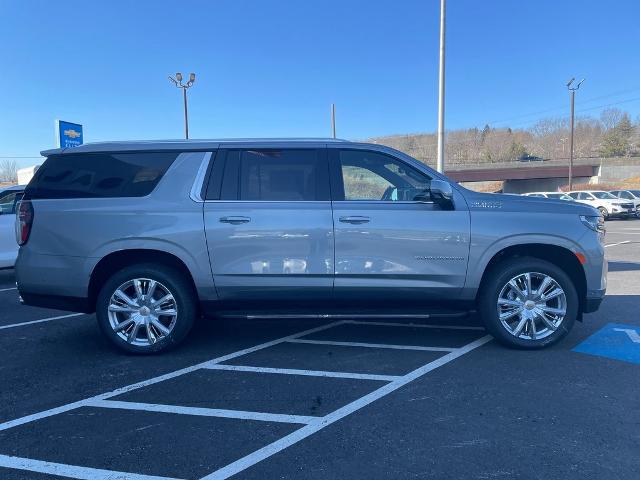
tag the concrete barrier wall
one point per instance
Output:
(541, 184)
(614, 173)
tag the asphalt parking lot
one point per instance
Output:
(291, 398)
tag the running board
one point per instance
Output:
(346, 316)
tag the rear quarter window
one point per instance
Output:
(99, 175)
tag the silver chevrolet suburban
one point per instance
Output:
(152, 235)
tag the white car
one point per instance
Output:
(554, 195)
(9, 199)
(609, 205)
(631, 196)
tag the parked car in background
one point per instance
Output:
(149, 235)
(606, 203)
(9, 198)
(554, 195)
(631, 196)
(529, 158)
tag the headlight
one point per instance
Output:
(594, 222)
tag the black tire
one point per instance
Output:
(171, 279)
(604, 212)
(499, 276)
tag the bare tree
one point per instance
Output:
(8, 170)
(548, 138)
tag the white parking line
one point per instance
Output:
(151, 381)
(418, 325)
(32, 322)
(71, 471)
(304, 432)
(311, 424)
(619, 243)
(8, 289)
(309, 373)
(372, 345)
(203, 412)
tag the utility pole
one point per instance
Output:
(572, 91)
(178, 83)
(333, 119)
(440, 162)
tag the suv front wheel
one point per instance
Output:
(146, 308)
(528, 303)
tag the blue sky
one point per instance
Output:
(272, 67)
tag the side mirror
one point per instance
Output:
(442, 193)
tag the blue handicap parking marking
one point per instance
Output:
(614, 340)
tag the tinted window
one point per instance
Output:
(626, 195)
(636, 193)
(100, 175)
(370, 175)
(275, 175)
(8, 202)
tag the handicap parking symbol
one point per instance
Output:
(614, 340)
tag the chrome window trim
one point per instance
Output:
(196, 188)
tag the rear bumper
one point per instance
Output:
(57, 302)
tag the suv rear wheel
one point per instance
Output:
(146, 308)
(528, 303)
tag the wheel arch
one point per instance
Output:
(119, 259)
(558, 255)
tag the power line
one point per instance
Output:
(553, 109)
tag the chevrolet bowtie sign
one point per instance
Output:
(68, 134)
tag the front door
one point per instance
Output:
(269, 224)
(392, 242)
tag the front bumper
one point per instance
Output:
(593, 300)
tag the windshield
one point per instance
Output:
(603, 195)
(560, 196)
(635, 193)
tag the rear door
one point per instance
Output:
(269, 224)
(392, 241)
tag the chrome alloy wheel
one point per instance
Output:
(531, 306)
(142, 311)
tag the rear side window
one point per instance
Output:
(100, 175)
(275, 175)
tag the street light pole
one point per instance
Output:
(178, 83)
(440, 161)
(572, 91)
(333, 119)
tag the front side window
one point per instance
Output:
(626, 195)
(100, 175)
(374, 176)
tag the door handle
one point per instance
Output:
(356, 220)
(235, 220)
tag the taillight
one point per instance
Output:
(24, 220)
